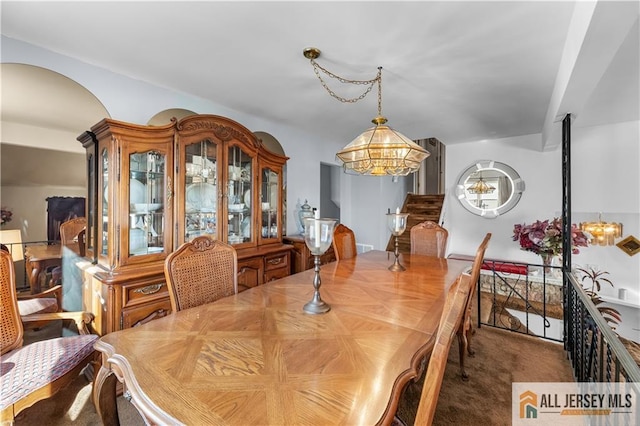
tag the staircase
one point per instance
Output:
(420, 208)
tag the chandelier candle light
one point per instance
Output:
(318, 234)
(397, 223)
(602, 233)
(379, 150)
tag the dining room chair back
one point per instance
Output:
(344, 242)
(201, 271)
(466, 328)
(452, 316)
(429, 238)
(72, 237)
(36, 371)
(72, 233)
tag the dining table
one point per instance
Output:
(39, 257)
(256, 358)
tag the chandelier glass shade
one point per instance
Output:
(379, 150)
(602, 233)
(481, 187)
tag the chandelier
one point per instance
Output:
(602, 233)
(481, 187)
(379, 150)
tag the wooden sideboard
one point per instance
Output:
(302, 258)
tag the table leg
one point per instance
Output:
(33, 270)
(104, 396)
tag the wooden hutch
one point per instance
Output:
(151, 188)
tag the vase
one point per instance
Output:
(547, 259)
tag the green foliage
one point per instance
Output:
(597, 279)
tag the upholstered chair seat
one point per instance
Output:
(29, 368)
(36, 371)
(40, 305)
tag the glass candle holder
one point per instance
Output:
(318, 234)
(397, 223)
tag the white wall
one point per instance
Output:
(605, 178)
(29, 207)
(542, 198)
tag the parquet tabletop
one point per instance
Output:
(256, 358)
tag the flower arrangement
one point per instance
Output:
(545, 238)
(5, 215)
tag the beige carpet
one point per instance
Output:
(502, 357)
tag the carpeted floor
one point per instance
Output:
(502, 357)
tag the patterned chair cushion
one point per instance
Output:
(38, 305)
(31, 367)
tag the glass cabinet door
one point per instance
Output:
(239, 196)
(201, 190)
(92, 196)
(103, 224)
(270, 203)
(147, 196)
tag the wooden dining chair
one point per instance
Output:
(38, 370)
(450, 320)
(344, 242)
(201, 271)
(429, 238)
(46, 301)
(72, 234)
(466, 328)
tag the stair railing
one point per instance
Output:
(595, 351)
(521, 292)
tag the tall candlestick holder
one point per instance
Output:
(318, 234)
(397, 223)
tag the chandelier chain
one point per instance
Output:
(317, 68)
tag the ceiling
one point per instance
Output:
(457, 71)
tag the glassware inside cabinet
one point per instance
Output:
(239, 196)
(104, 224)
(201, 190)
(147, 188)
(269, 203)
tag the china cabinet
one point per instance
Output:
(152, 188)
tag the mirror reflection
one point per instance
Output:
(489, 188)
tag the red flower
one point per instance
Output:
(546, 237)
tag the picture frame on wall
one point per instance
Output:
(630, 245)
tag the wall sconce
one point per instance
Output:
(602, 233)
(12, 238)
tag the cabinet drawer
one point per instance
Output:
(276, 274)
(143, 293)
(142, 314)
(250, 272)
(276, 261)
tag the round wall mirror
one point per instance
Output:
(489, 188)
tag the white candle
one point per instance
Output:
(316, 216)
(397, 219)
